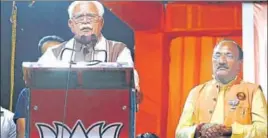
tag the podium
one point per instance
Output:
(99, 103)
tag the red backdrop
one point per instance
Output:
(174, 45)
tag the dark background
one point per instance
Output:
(35, 22)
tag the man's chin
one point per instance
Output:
(222, 72)
(223, 77)
(86, 33)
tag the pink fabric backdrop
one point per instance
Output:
(260, 44)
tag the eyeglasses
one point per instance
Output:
(81, 18)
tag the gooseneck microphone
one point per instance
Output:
(84, 40)
(90, 42)
(87, 40)
(94, 40)
(67, 86)
(87, 43)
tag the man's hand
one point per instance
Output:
(227, 131)
(198, 129)
(139, 97)
(213, 130)
(20, 124)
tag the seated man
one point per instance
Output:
(226, 105)
(21, 111)
(49, 41)
(8, 127)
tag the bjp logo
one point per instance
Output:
(97, 130)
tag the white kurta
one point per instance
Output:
(124, 57)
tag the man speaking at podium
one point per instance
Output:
(88, 44)
(86, 22)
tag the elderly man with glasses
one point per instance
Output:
(86, 21)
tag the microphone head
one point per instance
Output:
(94, 39)
(84, 39)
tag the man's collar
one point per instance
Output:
(101, 44)
(235, 81)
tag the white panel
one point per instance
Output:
(248, 41)
(261, 21)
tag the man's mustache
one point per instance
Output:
(82, 27)
(223, 66)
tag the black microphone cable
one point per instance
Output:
(67, 89)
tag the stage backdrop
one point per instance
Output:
(173, 48)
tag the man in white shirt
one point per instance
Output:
(8, 127)
(86, 19)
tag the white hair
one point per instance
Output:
(96, 3)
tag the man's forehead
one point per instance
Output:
(86, 7)
(226, 47)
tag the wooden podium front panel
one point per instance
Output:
(89, 113)
(100, 103)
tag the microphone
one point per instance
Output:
(84, 40)
(87, 39)
(94, 40)
(89, 42)
(71, 49)
(61, 54)
(67, 85)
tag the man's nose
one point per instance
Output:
(222, 60)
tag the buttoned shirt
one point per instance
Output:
(124, 56)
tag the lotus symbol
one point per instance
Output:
(97, 130)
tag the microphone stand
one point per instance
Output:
(105, 52)
(84, 47)
(67, 85)
(61, 54)
(69, 73)
(92, 43)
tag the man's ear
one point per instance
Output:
(70, 24)
(101, 25)
(102, 22)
